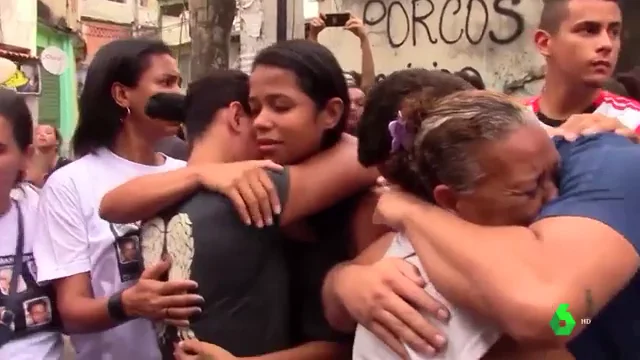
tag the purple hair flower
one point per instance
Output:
(400, 137)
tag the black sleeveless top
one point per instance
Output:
(309, 263)
(25, 306)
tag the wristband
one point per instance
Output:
(115, 307)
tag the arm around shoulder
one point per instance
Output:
(519, 276)
(145, 196)
(325, 179)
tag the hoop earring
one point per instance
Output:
(127, 115)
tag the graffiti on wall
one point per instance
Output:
(469, 69)
(405, 21)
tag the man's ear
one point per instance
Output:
(543, 41)
(235, 114)
(332, 113)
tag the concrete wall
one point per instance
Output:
(492, 36)
(97, 33)
(120, 13)
(66, 9)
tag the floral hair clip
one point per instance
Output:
(400, 137)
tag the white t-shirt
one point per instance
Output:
(41, 345)
(73, 239)
(468, 336)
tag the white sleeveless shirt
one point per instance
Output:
(468, 336)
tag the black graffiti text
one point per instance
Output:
(412, 21)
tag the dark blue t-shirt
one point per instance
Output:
(599, 179)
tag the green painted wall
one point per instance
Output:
(67, 83)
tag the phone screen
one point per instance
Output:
(336, 19)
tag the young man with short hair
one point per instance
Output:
(580, 41)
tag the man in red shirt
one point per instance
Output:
(580, 41)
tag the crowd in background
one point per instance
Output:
(307, 212)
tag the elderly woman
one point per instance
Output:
(485, 162)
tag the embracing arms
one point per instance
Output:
(62, 256)
(314, 185)
(516, 275)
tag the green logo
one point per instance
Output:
(562, 314)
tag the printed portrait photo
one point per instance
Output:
(7, 318)
(5, 280)
(128, 249)
(37, 311)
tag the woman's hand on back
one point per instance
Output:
(387, 298)
(162, 300)
(248, 186)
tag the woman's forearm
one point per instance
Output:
(335, 313)
(79, 310)
(145, 196)
(500, 277)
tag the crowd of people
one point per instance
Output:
(321, 214)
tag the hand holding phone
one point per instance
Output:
(336, 19)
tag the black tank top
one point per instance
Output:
(309, 263)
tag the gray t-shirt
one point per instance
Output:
(174, 147)
(240, 269)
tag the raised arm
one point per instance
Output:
(368, 72)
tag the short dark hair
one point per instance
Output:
(211, 93)
(122, 61)
(318, 73)
(383, 102)
(554, 12)
(552, 15)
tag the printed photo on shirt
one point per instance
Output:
(37, 311)
(5, 281)
(127, 250)
(7, 318)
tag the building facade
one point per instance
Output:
(20, 48)
(59, 46)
